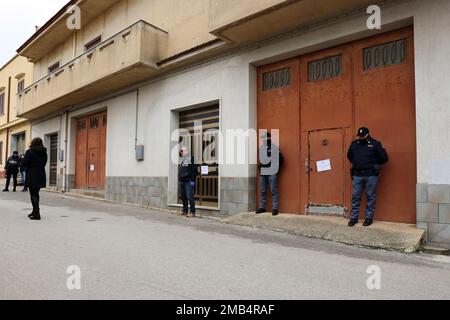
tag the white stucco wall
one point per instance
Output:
(432, 46)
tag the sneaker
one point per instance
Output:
(191, 215)
(352, 223)
(368, 223)
(260, 210)
(275, 212)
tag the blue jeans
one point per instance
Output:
(273, 181)
(369, 185)
(187, 196)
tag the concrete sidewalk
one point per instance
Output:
(381, 235)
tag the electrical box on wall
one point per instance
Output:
(61, 155)
(140, 152)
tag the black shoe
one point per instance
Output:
(6, 190)
(31, 214)
(352, 223)
(274, 212)
(35, 217)
(260, 210)
(368, 223)
(14, 190)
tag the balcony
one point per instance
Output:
(243, 21)
(127, 58)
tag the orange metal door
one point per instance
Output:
(385, 102)
(278, 108)
(326, 103)
(326, 183)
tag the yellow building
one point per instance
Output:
(15, 132)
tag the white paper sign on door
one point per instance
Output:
(324, 165)
(205, 170)
(92, 167)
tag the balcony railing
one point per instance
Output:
(126, 58)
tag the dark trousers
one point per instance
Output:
(8, 179)
(368, 185)
(24, 178)
(273, 182)
(187, 196)
(34, 195)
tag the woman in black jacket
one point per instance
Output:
(35, 161)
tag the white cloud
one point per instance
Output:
(18, 19)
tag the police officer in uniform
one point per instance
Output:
(187, 175)
(12, 170)
(367, 155)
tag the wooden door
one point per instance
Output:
(91, 152)
(81, 154)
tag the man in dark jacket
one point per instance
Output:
(187, 175)
(367, 156)
(35, 161)
(270, 162)
(12, 169)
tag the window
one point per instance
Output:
(94, 122)
(2, 104)
(277, 79)
(384, 55)
(18, 143)
(20, 85)
(93, 43)
(53, 67)
(326, 68)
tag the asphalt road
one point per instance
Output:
(125, 252)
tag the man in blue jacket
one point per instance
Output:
(367, 156)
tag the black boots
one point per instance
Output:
(35, 216)
(352, 223)
(260, 210)
(367, 223)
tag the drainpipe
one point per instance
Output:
(8, 110)
(66, 130)
(137, 120)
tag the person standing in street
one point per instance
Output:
(187, 175)
(367, 155)
(270, 162)
(35, 161)
(12, 170)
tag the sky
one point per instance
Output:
(18, 19)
